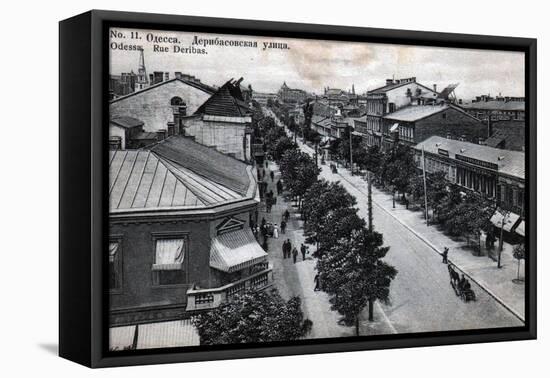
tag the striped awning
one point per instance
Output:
(235, 250)
(520, 229)
(121, 338)
(510, 220)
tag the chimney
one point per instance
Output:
(489, 127)
(170, 128)
(435, 87)
(459, 101)
(177, 74)
(176, 122)
(161, 135)
(166, 76)
(389, 81)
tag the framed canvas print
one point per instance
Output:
(234, 188)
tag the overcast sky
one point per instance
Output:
(315, 64)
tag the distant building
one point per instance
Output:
(387, 99)
(262, 98)
(291, 95)
(494, 173)
(497, 108)
(179, 233)
(415, 123)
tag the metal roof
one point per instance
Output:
(414, 113)
(235, 250)
(509, 162)
(140, 179)
(126, 122)
(207, 162)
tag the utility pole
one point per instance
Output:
(425, 186)
(369, 201)
(501, 241)
(350, 152)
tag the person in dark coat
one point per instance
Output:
(266, 163)
(317, 280)
(445, 255)
(283, 226)
(279, 187)
(286, 215)
(303, 249)
(294, 254)
(272, 175)
(265, 246)
(284, 247)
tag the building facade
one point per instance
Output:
(180, 237)
(497, 108)
(491, 172)
(382, 101)
(156, 105)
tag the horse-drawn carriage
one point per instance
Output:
(461, 286)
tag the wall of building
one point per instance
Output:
(399, 96)
(226, 137)
(152, 106)
(451, 122)
(115, 130)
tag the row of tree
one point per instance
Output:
(395, 169)
(350, 255)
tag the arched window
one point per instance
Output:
(179, 106)
(176, 101)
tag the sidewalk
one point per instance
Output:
(297, 279)
(497, 282)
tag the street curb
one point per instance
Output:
(433, 247)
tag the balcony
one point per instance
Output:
(204, 299)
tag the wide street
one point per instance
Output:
(422, 299)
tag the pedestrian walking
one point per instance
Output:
(294, 254)
(445, 255)
(272, 175)
(283, 226)
(266, 164)
(265, 245)
(283, 248)
(286, 215)
(279, 187)
(317, 280)
(276, 231)
(303, 249)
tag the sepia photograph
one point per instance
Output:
(266, 189)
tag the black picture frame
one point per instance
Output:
(83, 235)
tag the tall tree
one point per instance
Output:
(320, 201)
(355, 275)
(519, 254)
(253, 317)
(298, 171)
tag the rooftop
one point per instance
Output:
(509, 162)
(193, 83)
(140, 179)
(228, 101)
(206, 161)
(414, 113)
(126, 122)
(495, 105)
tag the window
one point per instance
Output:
(444, 115)
(115, 266)
(169, 258)
(176, 101)
(391, 107)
